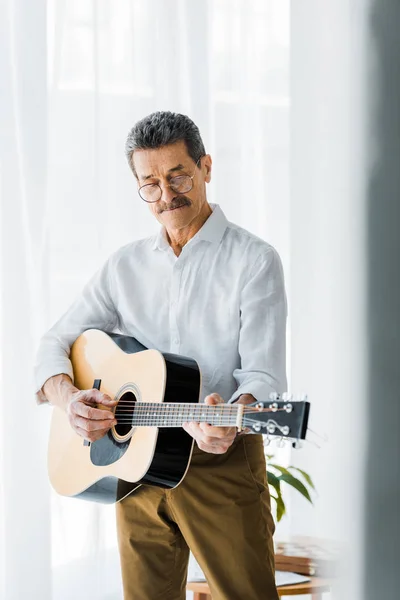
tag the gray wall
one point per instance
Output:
(382, 481)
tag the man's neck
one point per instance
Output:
(178, 238)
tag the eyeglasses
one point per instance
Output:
(181, 184)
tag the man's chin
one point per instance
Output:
(178, 215)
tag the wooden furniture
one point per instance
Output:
(316, 587)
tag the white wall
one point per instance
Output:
(328, 265)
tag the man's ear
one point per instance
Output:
(208, 166)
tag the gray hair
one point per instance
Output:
(160, 129)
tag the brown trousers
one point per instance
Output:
(221, 511)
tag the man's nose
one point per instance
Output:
(167, 195)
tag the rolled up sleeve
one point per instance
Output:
(262, 337)
(93, 308)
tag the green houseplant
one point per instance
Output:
(277, 475)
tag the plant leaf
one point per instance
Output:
(306, 477)
(280, 509)
(280, 504)
(274, 481)
(287, 472)
(279, 468)
(297, 484)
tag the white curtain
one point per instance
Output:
(25, 570)
(68, 199)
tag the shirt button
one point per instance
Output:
(176, 341)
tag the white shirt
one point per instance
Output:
(221, 302)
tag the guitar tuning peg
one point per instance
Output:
(274, 396)
(286, 396)
(280, 442)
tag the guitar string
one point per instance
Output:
(167, 412)
(164, 408)
(222, 405)
(192, 416)
(196, 405)
(174, 424)
(149, 424)
(171, 411)
(175, 418)
(212, 406)
(183, 418)
(130, 422)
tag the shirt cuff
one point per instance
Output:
(259, 389)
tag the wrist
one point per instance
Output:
(58, 390)
(245, 399)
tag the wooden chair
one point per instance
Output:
(316, 587)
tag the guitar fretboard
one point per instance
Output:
(174, 414)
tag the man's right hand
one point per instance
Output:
(86, 419)
(81, 406)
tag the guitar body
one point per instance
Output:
(126, 457)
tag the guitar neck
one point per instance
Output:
(174, 414)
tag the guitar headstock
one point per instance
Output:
(283, 417)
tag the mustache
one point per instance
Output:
(177, 202)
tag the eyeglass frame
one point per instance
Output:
(169, 184)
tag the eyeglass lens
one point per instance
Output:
(152, 192)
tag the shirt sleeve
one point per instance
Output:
(94, 308)
(262, 336)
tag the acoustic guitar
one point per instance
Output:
(156, 392)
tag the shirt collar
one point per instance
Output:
(212, 230)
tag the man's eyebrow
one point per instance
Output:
(179, 167)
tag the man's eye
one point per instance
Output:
(149, 187)
(180, 180)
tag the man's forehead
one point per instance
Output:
(150, 162)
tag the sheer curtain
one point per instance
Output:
(24, 491)
(66, 110)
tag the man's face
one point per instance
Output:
(174, 210)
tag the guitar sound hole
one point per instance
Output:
(124, 413)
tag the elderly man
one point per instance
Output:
(205, 288)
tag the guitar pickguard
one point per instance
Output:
(107, 450)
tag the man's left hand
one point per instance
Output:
(215, 440)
